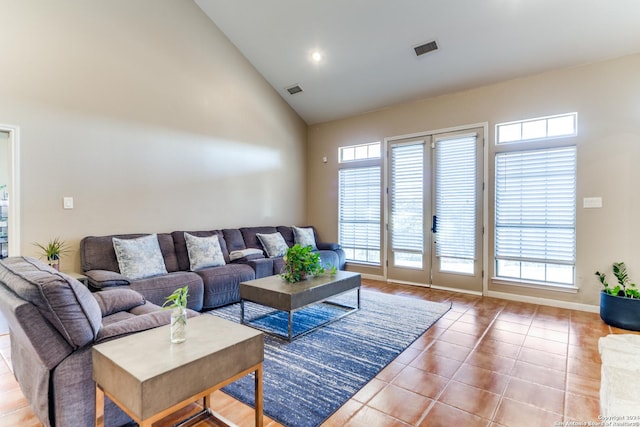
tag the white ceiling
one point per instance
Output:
(369, 62)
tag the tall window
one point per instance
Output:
(359, 187)
(535, 205)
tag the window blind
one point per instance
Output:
(455, 195)
(407, 198)
(359, 213)
(536, 206)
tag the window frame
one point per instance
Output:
(371, 162)
(538, 144)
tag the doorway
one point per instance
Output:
(9, 191)
(435, 209)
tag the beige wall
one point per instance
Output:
(607, 98)
(148, 117)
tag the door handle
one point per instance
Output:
(434, 224)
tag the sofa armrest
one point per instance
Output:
(118, 299)
(100, 279)
(262, 266)
(137, 324)
(328, 246)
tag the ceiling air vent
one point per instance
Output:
(294, 89)
(426, 48)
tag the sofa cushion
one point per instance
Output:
(222, 284)
(118, 299)
(97, 252)
(273, 244)
(156, 289)
(245, 254)
(140, 257)
(304, 237)
(66, 303)
(203, 251)
(234, 239)
(249, 234)
(101, 279)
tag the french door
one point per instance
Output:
(434, 231)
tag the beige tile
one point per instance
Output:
(470, 399)
(401, 404)
(512, 413)
(442, 415)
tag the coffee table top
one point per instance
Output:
(274, 291)
(148, 373)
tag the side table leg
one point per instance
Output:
(99, 407)
(241, 311)
(290, 324)
(258, 396)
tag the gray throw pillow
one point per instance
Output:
(273, 244)
(139, 258)
(203, 251)
(304, 237)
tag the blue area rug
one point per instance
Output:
(307, 380)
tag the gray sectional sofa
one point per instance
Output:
(209, 287)
(54, 320)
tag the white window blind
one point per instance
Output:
(407, 198)
(456, 197)
(536, 214)
(359, 213)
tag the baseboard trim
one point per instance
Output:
(545, 301)
(372, 277)
(461, 291)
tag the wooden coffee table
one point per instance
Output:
(277, 293)
(149, 378)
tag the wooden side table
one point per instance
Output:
(149, 377)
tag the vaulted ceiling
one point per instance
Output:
(366, 47)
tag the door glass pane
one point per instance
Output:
(407, 204)
(456, 203)
(456, 265)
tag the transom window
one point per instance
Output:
(541, 128)
(354, 153)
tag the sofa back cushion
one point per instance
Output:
(66, 303)
(287, 233)
(249, 234)
(97, 253)
(182, 254)
(234, 239)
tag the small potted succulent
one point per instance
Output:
(620, 304)
(53, 251)
(301, 262)
(178, 302)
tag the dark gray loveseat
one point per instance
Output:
(54, 320)
(209, 287)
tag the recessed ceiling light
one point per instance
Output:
(316, 56)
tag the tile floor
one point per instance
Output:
(487, 362)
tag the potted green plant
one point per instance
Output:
(301, 262)
(178, 302)
(53, 251)
(620, 305)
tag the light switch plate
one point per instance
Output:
(592, 202)
(67, 202)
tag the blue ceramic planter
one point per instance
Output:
(620, 312)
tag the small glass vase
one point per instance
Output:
(178, 325)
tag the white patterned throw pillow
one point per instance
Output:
(305, 237)
(139, 258)
(203, 251)
(273, 244)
